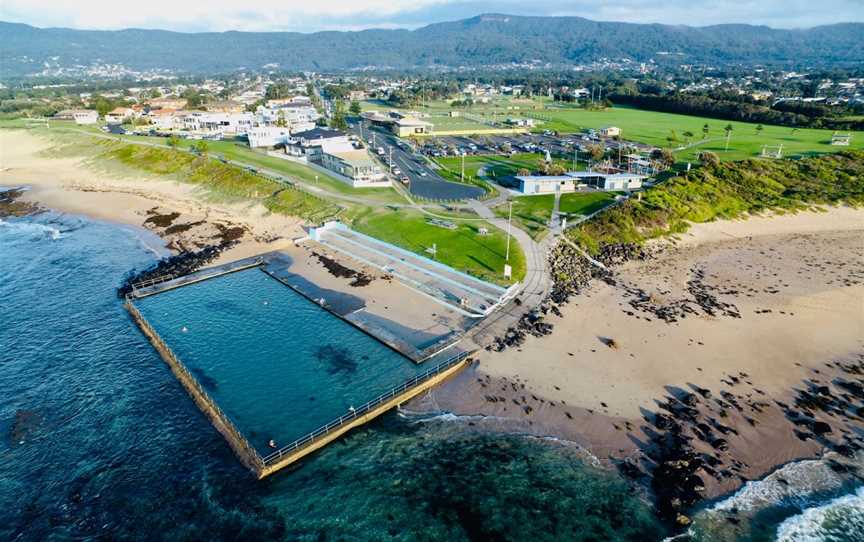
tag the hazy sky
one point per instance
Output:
(311, 15)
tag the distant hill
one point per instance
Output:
(478, 41)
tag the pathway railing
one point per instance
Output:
(355, 413)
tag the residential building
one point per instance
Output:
(311, 142)
(355, 165)
(168, 103)
(85, 116)
(119, 115)
(267, 136)
(610, 131)
(226, 106)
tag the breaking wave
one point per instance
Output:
(841, 519)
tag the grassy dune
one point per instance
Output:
(729, 191)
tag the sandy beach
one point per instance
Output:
(788, 293)
(727, 329)
(70, 185)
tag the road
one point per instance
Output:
(424, 182)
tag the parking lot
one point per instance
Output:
(557, 145)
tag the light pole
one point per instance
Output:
(463, 167)
(509, 221)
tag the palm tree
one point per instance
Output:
(728, 129)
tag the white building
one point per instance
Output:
(267, 136)
(572, 181)
(297, 118)
(225, 123)
(85, 116)
(312, 142)
(356, 167)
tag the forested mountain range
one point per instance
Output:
(484, 40)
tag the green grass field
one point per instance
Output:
(653, 128)
(463, 248)
(532, 213)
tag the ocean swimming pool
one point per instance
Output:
(278, 365)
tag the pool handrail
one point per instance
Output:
(363, 409)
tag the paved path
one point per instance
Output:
(535, 286)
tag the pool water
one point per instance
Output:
(277, 364)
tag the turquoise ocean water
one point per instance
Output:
(98, 441)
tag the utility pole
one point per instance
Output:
(390, 160)
(463, 167)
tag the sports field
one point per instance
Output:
(653, 128)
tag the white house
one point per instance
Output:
(226, 123)
(356, 167)
(267, 136)
(311, 142)
(85, 116)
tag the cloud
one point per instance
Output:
(309, 15)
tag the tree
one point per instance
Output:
(173, 142)
(355, 108)
(728, 129)
(543, 166)
(523, 172)
(338, 118)
(705, 130)
(672, 137)
(709, 159)
(596, 151)
(687, 136)
(667, 157)
(201, 147)
(556, 169)
(759, 129)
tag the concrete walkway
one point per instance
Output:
(535, 286)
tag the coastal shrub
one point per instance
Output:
(728, 190)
